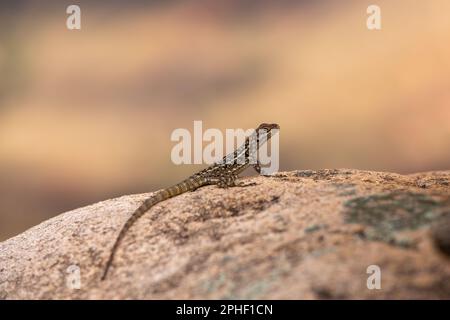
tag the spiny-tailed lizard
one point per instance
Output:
(223, 174)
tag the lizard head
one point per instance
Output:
(264, 132)
(267, 128)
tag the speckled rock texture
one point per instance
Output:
(295, 235)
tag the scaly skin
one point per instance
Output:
(222, 174)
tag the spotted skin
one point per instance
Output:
(223, 174)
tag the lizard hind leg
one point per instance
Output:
(225, 181)
(231, 181)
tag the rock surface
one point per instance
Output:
(296, 235)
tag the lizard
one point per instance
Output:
(223, 174)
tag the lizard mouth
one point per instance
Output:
(268, 126)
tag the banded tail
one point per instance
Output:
(159, 196)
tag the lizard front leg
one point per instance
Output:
(257, 168)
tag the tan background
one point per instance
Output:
(87, 115)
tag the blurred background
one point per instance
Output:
(87, 115)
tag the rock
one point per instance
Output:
(441, 234)
(296, 235)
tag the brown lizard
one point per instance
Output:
(223, 174)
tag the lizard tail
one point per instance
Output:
(143, 208)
